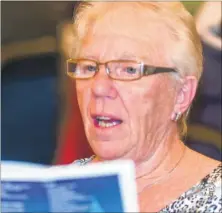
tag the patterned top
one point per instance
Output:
(204, 197)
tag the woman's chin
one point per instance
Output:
(108, 150)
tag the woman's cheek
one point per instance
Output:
(81, 96)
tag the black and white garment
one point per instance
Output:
(204, 197)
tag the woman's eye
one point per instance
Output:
(91, 68)
(72, 68)
(131, 70)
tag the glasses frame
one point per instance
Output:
(145, 70)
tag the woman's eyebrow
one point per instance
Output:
(123, 56)
(86, 56)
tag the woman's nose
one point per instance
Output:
(102, 85)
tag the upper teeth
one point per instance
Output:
(103, 118)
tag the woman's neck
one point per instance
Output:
(165, 160)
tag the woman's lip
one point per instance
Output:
(112, 117)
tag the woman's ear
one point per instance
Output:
(186, 94)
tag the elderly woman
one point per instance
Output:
(137, 66)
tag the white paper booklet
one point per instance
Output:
(99, 187)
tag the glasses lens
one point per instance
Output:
(81, 69)
(124, 70)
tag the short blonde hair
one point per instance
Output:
(186, 53)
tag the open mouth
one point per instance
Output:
(106, 122)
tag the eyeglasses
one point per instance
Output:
(123, 70)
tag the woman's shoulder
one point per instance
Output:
(203, 197)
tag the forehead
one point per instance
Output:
(104, 47)
(123, 35)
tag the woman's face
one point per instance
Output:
(138, 112)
